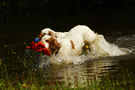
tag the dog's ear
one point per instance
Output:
(54, 45)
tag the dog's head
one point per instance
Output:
(51, 43)
(46, 31)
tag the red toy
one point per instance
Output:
(38, 47)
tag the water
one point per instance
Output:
(120, 59)
(82, 68)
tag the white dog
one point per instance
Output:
(70, 43)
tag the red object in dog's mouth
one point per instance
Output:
(39, 47)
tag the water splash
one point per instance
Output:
(127, 41)
(102, 48)
(62, 60)
(99, 49)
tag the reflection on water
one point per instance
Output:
(73, 75)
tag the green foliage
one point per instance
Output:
(39, 4)
(12, 10)
(22, 4)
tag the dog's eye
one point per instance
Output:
(47, 40)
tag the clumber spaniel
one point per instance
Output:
(69, 43)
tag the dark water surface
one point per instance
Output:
(13, 37)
